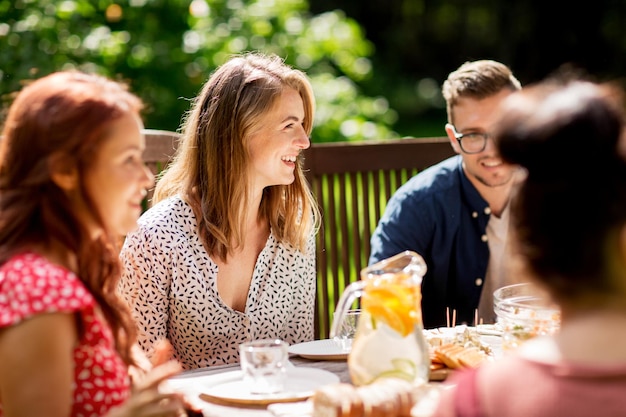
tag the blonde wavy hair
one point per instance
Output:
(207, 170)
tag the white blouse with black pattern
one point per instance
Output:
(169, 282)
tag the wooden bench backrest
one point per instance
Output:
(160, 148)
(352, 182)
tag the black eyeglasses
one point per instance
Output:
(472, 142)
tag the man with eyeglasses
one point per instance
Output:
(455, 214)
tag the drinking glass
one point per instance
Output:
(264, 365)
(346, 329)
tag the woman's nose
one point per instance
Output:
(303, 141)
(148, 177)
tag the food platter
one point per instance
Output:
(461, 346)
(487, 337)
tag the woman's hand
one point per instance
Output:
(147, 401)
(163, 352)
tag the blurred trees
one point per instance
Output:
(376, 68)
(166, 49)
(418, 42)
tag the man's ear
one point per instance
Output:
(453, 141)
(63, 171)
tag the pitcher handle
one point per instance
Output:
(351, 292)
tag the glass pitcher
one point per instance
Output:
(389, 340)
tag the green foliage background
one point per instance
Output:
(166, 49)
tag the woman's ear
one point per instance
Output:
(63, 171)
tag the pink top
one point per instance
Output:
(516, 386)
(31, 285)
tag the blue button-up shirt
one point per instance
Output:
(440, 215)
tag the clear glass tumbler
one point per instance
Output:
(264, 364)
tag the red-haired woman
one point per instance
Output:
(71, 182)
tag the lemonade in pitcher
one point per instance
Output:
(389, 342)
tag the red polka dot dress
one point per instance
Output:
(31, 285)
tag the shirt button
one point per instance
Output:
(479, 282)
(474, 214)
(487, 210)
(483, 238)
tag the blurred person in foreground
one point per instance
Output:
(455, 214)
(71, 182)
(569, 228)
(227, 252)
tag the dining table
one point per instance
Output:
(301, 408)
(199, 384)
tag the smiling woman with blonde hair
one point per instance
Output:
(227, 252)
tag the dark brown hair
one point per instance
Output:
(65, 114)
(569, 211)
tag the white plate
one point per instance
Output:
(229, 387)
(325, 349)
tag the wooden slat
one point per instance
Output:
(357, 221)
(367, 220)
(321, 300)
(332, 246)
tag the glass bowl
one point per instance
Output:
(524, 311)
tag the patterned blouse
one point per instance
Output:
(169, 281)
(30, 285)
